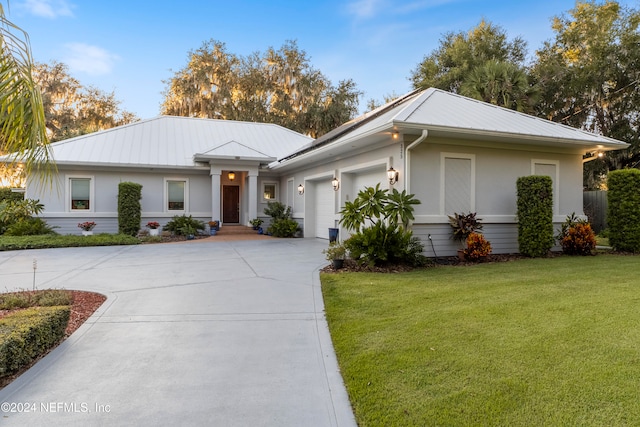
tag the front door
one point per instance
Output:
(231, 204)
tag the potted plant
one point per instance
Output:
(153, 227)
(189, 231)
(478, 248)
(87, 227)
(462, 225)
(336, 253)
(214, 226)
(256, 223)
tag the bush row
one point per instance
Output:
(26, 334)
(12, 243)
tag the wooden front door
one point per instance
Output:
(230, 204)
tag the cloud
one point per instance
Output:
(48, 8)
(364, 9)
(89, 59)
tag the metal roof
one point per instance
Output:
(451, 115)
(169, 141)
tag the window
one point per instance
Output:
(269, 191)
(80, 190)
(176, 195)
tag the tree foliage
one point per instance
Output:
(71, 109)
(459, 54)
(588, 76)
(22, 123)
(277, 86)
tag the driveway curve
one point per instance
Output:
(200, 333)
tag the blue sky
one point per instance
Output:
(130, 47)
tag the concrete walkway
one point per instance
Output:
(200, 333)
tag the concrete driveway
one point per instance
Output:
(198, 333)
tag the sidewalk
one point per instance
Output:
(208, 332)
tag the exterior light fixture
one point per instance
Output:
(600, 154)
(335, 183)
(392, 174)
(395, 135)
(231, 175)
(301, 189)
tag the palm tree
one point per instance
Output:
(501, 83)
(22, 122)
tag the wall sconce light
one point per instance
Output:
(395, 134)
(335, 184)
(600, 154)
(301, 189)
(392, 174)
(231, 175)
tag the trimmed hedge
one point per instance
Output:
(129, 208)
(13, 243)
(535, 215)
(26, 334)
(623, 213)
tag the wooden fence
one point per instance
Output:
(595, 207)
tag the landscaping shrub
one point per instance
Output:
(129, 208)
(623, 214)
(13, 211)
(184, 225)
(282, 225)
(29, 227)
(380, 222)
(26, 334)
(535, 215)
(576, 236)
(12, 243)
(7, 195)
(477, 247)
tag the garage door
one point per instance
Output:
(324, 197)
(369, 178)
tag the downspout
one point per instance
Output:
(407, 159)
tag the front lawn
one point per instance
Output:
(531, 342)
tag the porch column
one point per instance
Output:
(216, 213)
(253, 194)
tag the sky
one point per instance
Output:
(132, 47)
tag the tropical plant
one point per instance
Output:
(184, 225)
(477, 247)
(379, 221)
(462, 225)
(29, 227)
(22, 122)
(256, 222)
(576, 236)
(14, 211)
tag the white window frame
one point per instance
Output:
(92, 193)
(275, 191)
(166, 195)
(472, 158)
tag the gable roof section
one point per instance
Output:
(170, 141)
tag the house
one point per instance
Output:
(454, 153)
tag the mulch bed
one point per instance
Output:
(83, 306)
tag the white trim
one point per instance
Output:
(165, 202)
(484, 219)
(294, 192)
(92, 193)
(472, 158)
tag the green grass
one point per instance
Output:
(532, 342)
(11, 243)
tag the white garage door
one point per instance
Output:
(324, 204)
(369, 178)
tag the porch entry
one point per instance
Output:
(230, 204)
